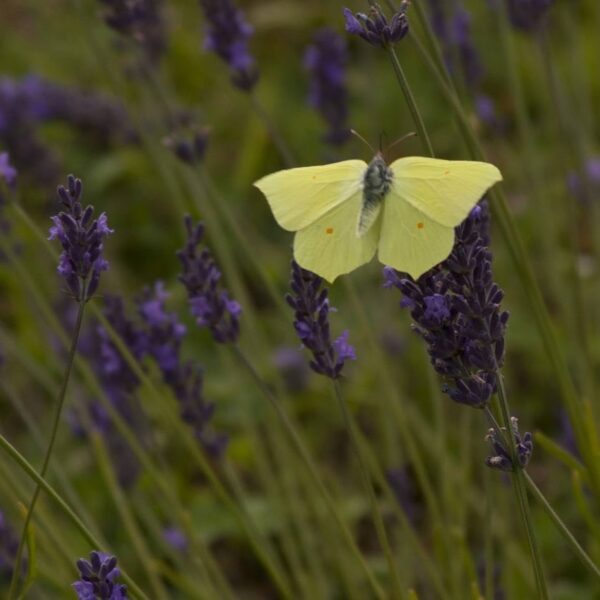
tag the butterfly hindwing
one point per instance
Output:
(330, 246)
(298, 197)
(410, 241)
(443, 190)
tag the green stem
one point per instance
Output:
(352, 427)
(83, 530)
(57, 415)
(411, 103)
(560, 525)
(307, 460)
(520, 491)
(280, 143)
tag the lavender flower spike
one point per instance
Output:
(456, 309)
(97, 578)
(375, 28)
(8, 173)
(211, 305)
(311, 307)
(227, 35)
(81, 261)
(325, 60)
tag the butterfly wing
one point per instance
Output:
(298, 197)
(330, 247)
(410, 241)
(443, 190)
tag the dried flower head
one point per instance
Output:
(227, 35)
(311, 312)
(325, 59)
(209, 303)
(375, 28)
(81, 236)
(501, 458)
(456, 309)
(97, 579)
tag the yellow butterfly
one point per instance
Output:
(344, 212)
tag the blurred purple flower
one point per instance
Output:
(227, 34)
(311, 312)
(585, 186)
(456, 309)
(142, 22)
(452, 26)
(375, 28)
(210, 304)
(97, 578)
(27, 103)
(176, 538)
(292, 366)
(8, 173)
(9, 542)
(325, 59)
(81, 261)
(527, 15)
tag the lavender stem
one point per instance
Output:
(352, 428)
(57, 415)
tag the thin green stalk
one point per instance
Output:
(55, 423)
(79, 525)
(305, 456)
(277, 138)
(520, 490)
(488, 535)
(410, 101)
(352, 427)
(138, 542)
(560, 525)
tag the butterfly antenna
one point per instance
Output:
(362, 139)
(399, 140)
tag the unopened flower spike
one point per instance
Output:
(81, 237)
(375, 28)
(97, 578)
(501, 458)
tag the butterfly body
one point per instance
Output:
(343, 213)
(376, 184)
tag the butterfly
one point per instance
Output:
(345, 212)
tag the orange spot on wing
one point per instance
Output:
(420, 225)
(329, 230)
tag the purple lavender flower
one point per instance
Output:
(142, 22)
(375, 28)
(210, 304)
(585, 186)
(8, 174)
(311, 321)
(452, 27)
(163, 335)
(527, 15)
(292, 366)
(176, 538)
(501, 457)
(325, 60)
(227, 35)
(97, 578)
(81, 261)
(456, 309)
